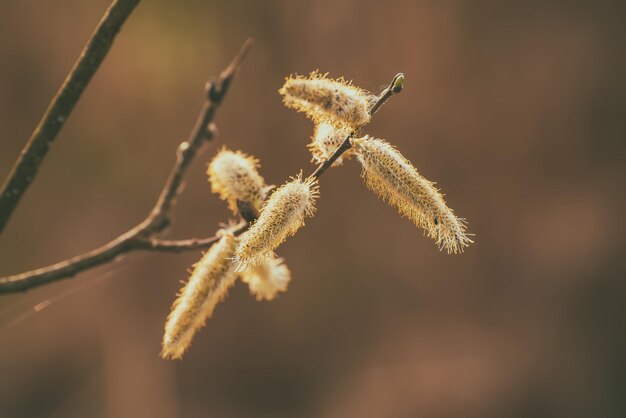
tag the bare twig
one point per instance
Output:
(179, 246)
(394, 87)
(143, 236)
(31, 157)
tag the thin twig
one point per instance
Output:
(33, 154)
(179, 246)
(143, 236)
(395, 87)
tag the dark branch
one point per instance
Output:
(59, 109)
(143, 236)
(202, 130)
(395, 87)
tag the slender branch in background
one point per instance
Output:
(62, 104)
(143, 236)
(395, 87)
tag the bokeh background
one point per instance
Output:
(516, 109)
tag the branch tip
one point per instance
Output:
(397, 84)
(233, 67)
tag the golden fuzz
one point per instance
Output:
(212, 276)
(324, 99)
(234, 176)
(282, 215)
(266, 279)
(325, 141)
(392, 177)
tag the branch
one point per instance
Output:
(179, 246)
(143, 236)
(62, 104)
(395, 87)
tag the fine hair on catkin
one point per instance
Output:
(208, 284)
(325, 141)
(282, 215)
(390, 175)
(323, 99)
(234, 176)
(265, 280)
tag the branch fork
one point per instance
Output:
(145, 236)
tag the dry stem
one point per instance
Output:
(144, 235)
(62, 104)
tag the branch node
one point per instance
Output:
(214, 92)
(182, 148)
(210, 131)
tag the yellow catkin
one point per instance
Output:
(324, 99)
(325, 141)
(210, 280)
(282, 215)
(234, 176)
(266, 279)
(392, 177)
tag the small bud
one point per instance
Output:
(391, 176)
(212, 276)
(266, 279)
(323, 99)
(235, 177)
(282, 215)
(397, 83)
(325, 141)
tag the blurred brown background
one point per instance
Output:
(516, 109)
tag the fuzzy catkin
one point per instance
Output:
(234, 176)
(267, 279)
(210, 280)
(324, 99)
(392, 177)
(325, 141)
(282, 215)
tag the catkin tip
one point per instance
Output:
(392, 177)
(267, 279)
(323, 99)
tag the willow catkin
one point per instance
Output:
(282, 215)
(210, 280)
(325, 141)
(392, 177)
(266, 279)
(234, 176)
(324, 99)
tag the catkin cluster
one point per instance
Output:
(234, 176)
(385, 171)
(339, 111)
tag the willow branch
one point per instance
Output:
(62, 104)
(143, 236)
(183, 245)
(395, 87)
